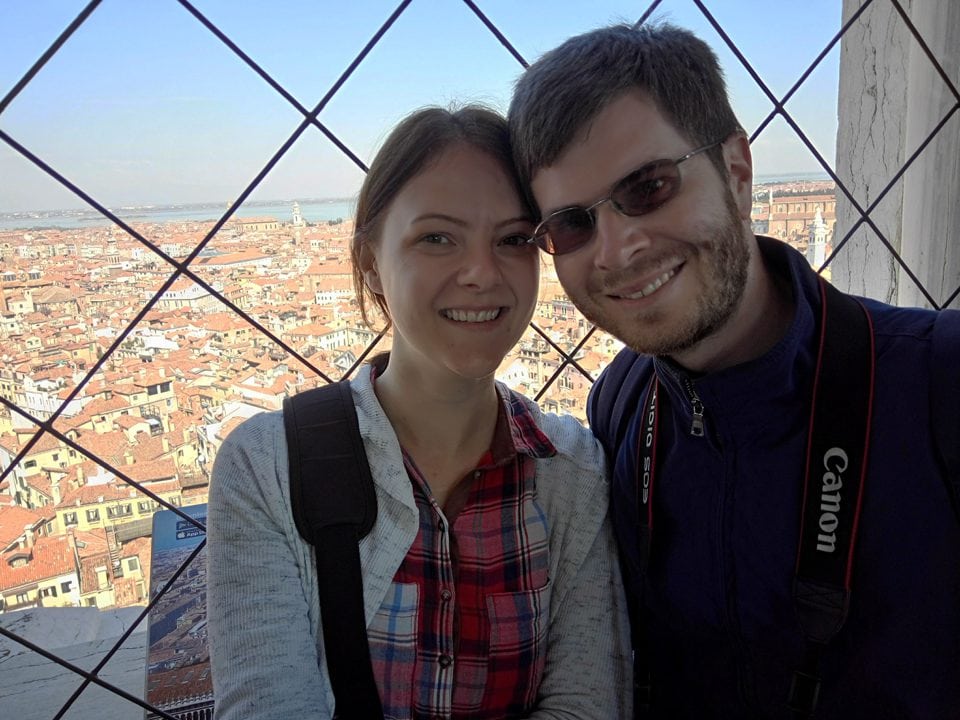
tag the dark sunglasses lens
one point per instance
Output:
(565, 231)
(648, 188)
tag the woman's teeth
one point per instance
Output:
(472, 316)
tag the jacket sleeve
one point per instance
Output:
(263, 650)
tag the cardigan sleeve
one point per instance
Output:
(263, 650)
(588, 673)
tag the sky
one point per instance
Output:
(143, 105)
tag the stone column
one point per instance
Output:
(891, 97)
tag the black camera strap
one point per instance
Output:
(834, 479)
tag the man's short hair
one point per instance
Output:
(563, 91)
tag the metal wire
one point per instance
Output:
(182, 268)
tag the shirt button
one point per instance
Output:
(445, 661)
(445, 595)
(476, 474)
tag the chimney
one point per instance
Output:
(102, 577)
(165, 442)
(28, 535)
(127, 458)
(72, 544)
(55, 491)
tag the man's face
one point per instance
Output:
(664, 281)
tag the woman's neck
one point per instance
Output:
(444, 423)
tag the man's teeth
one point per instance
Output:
(472, 316)
(652, 287)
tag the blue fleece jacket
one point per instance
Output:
(717, 602)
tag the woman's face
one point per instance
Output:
(455, 265)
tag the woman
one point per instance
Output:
(490, 580)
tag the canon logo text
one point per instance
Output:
(835, 463)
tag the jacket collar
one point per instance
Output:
(747, 393)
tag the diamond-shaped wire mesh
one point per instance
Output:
(553, 365)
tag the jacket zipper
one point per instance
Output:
(696, 427)
(696, 404)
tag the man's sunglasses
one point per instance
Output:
(640, 192)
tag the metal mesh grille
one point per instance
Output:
(170, 269)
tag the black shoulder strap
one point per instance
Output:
(334, 505)
(945, 399)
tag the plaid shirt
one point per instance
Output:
(462, 631)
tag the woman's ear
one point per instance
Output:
(368, 266)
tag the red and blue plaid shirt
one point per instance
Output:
(462, 631)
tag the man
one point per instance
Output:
(769, 577)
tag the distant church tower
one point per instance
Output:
(817, 243)
(298, 223)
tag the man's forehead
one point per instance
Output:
(627, 132)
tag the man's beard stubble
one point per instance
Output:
(724, 258)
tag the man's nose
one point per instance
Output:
(619, 238)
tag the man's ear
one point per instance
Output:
(368, 266)
(739, 162)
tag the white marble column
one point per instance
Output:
(890, 99)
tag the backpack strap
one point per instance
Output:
(334, 505)
(611, 406)
(615, 396)
(945, 399)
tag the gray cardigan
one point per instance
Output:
(265, 635)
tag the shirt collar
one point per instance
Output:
(517, 431)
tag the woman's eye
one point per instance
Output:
(435, 239)
(517, 240)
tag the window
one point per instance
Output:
(133, 564)
(118, 511)
(91, 602)
(146, 506)
(93, 515)
(22, 598)
(66, 587)
(30, 464)
(48, 592)
(70, 518)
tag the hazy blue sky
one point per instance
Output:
(144, 105)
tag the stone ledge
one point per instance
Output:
(35, 688)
